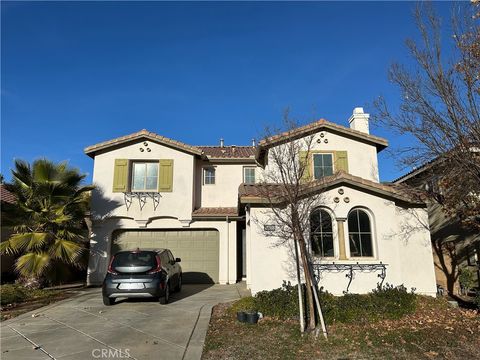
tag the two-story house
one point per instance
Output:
(203, 203)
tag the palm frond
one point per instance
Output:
(37, 241)
(66, 250)
(16, 243)
(5, 247)
(44, 171)
(32, 264)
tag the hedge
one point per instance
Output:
(386, 302)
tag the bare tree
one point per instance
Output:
(440, 109)
(284, 186)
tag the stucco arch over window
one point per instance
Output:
(360, 234)
(321, 233)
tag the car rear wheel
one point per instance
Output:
(108, 301)
(179, 285)
(166, 298)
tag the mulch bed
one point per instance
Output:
(12, 310)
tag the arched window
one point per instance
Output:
(321, 234)
(359, 233)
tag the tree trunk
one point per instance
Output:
(308, 280)
(299, 289)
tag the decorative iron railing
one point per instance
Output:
(142, 197)
(351, 270)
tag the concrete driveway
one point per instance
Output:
(83, 328)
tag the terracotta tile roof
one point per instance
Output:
(257, 192)
(6, 196)
(142, 134)
(228, 152)
(316, 126)
(215, 211)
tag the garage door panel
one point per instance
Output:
(198, 249)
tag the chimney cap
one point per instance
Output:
(359, 120)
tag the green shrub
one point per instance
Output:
(17, 293)
(244, 304)
(281, 303)
(13, 293)
(466, 278)
(386, 302)
(394, 301)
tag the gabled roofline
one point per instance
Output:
(414, 172)
(142, 134)
(338, 179)
(313, 127)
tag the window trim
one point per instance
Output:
(321, 152)
(132, 174)
(334, 235)
(204, 172)
(372, 235)
(254, 168)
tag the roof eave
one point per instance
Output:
(378, 142)
(398, 199)
(94, 149)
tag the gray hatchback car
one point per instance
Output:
(146, 273)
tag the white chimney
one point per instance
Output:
(359, 120)
(221, 143)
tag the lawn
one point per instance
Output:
(16, 299)
(433, 331)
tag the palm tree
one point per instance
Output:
(47, 219)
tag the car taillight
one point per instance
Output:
(158, 268)
(110, 269)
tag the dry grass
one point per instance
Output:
(434, 331)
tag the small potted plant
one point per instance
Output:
(247, 312)
(251, 316)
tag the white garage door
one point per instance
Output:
(198, 249)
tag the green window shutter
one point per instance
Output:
(341, 161)
(120, 175)
(305, 160)
(165, 176)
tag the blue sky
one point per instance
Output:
(77, 73)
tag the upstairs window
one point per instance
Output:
(359, 234)
(144, 176)
(249, 175)
(209, 176)
(321, 233)
(322, 165)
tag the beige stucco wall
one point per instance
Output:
(110, 213)
(362, 157)
(446, 230)
(400, 240)
(224, 193)
(177, 204)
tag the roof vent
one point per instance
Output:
(253, 143)
(222, 144)
(233, 148)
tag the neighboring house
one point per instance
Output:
(203, 203)
(6, 199)
(454, 246)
